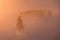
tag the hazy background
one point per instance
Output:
(36, 28)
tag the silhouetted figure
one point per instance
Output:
(19, 25)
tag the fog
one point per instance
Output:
(35, 28)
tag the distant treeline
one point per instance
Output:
(37, 12)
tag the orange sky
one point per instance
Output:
(10, 9)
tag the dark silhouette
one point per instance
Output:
(19, 24)
(38, 12)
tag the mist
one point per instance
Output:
(35, 28)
